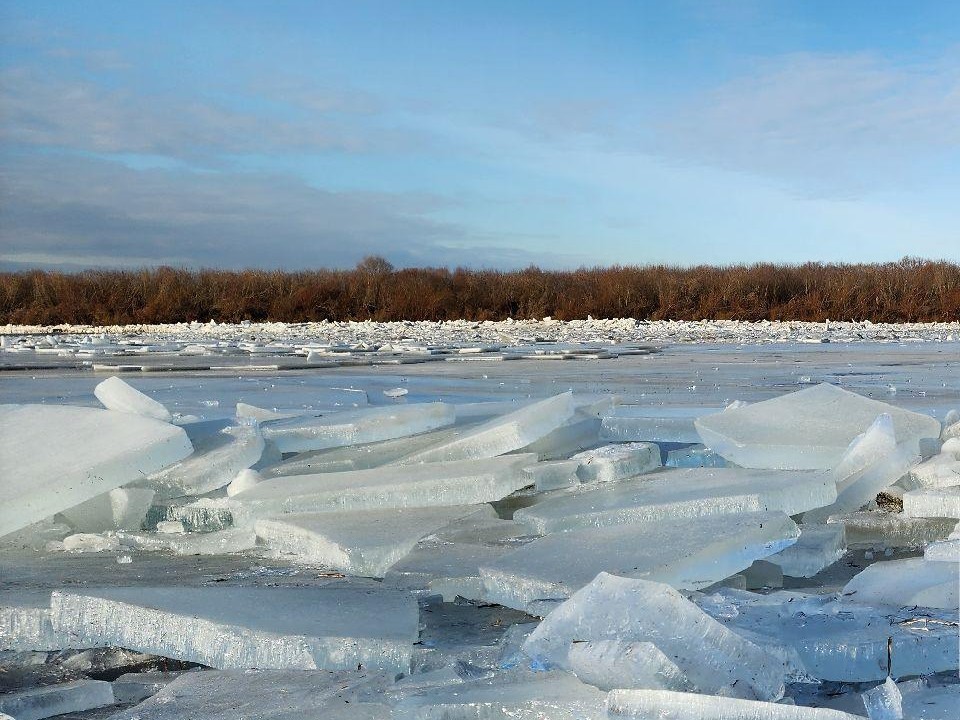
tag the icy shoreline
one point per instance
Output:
(516, 332)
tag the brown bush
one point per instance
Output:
(908, 290)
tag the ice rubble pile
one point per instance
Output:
(438, 561)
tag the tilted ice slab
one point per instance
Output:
(909, 582)
(818, 547)
(843, 641)
(363, 542)
(334, 627)
(609, 664)
(220, 452)
(115, 394)
(688, 555)
(514, 694)
(265, 695)
(680, 495)
(668, 705)
(50, 700)
(806, 430)
(503, 434)
(352, 427)
(615, 462)
(120, 509)
(54, 458)
(932, 503)
(627, 423)
(465, 482)
(714, 659)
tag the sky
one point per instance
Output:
(494, 134)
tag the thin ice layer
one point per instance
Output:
(364, 542)
(667, 705)
(265, 695)
(114, 394)
(333, 627)
(465, 482)
(908, 582)
(680, 495)
(352, 427)
(503, 434)
(688, 555)
(713, 658)
(50, 700)
(54, 458)
(220, 453)
(810, 429)
(819, 547)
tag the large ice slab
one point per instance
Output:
(819, 547)
(668, 705)
(265, 695)
(50, 700)
(932, 503)
(878, 529)
(364, 542)
(810, 429)
(503, 434)
(120, 509)
(626, 423)
(465, 482)
(114, 394)
(352, 427)
(908, 582)
(688, 555)
(220, 452)
(54, 458)
(714, 659)
(680, 495)
(334, 627)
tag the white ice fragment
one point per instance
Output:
(689, 555)
(244, 480)
(333, 627)
(171, 527)
(352, 427)
(940, 471)
(810, 429)
(714, 659)
(220, 453)
(218, 542)
(819, 547)
(54, 458)
(680, 495)
(49, 700)
(615, 462)
(114, 394)
(395, 392)
(884, 702)
(667, 705)
(610, 664)
(120, 509)
(503, 434)
(463, 482)
(252, 412)
(908, 582)
(365, 542)
(90, 542)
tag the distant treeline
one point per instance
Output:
(908, 290)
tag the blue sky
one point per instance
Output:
(485, 134)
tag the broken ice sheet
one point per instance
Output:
(54, 458)
(810, 429)
(609, 664)
(714, 659)
(667, 705)
(877, 529)
(818, 547)
(680, 495)
(504, 434)
(120, 509)
(909, 582)
(221, 450)
(932, 503)
(334, 627)
(364, 542)
(464, 482)
(352, 427)
(114, 394)
(615, 462)
(688, 555)
(218, 542)
(50, 700)
(265, 695)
